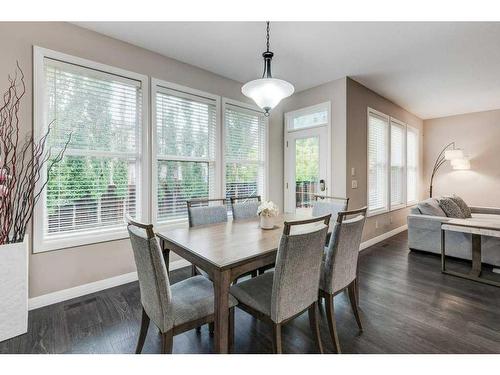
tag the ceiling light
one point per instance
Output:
(267, 92)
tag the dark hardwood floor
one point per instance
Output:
(407, 306)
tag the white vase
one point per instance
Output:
(13, 289)
(266, 222)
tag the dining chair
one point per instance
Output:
(339, 267)
(172, 308)
(323, 205)
(281, 295)
(246, 209)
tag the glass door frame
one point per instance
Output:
(291, 134)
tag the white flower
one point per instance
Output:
(268, 209)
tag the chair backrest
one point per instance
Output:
(246, 208)
(341, 258)
(154, 284)
(298, 266)
(201, 212)
(324, 205)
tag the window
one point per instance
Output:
(316, 115)
(378, 161)
(96, 184)
(185, 139)
(398, 159)
(412, 165)
(245, 135)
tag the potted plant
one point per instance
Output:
(267, 211)
(24, 167)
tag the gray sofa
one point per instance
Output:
(424, 234)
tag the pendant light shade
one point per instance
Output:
(267, 92)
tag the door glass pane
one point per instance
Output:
(306, 171)
(309, 120)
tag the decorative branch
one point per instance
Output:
(24, 169)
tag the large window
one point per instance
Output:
(185, 138)
(245, 130)
(392, 163)
(95, 186)
(412, 165)
(378, 161)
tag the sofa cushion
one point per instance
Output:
(430, 207)
(462, 205)
(450, 208)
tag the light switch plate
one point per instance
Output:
(353, 171)
(354, 184)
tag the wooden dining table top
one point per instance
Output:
(226, 244)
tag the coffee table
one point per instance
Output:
(477, 228)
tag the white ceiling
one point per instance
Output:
(431, 69)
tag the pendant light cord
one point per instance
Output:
(267, 30)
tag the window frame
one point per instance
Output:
(412, 129)
(158, 85)
(248, 107)
(97, 235)
(402, 125)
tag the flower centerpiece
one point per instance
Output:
(24, 166)
(267, 211)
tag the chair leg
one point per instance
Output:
(211, 328)
(330, 316)
(231, 330)
(354, 303)
(277, 338)
(167, 340)
(313, 322)
(143, 332)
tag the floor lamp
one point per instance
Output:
(456, 157)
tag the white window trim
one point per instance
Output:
(391, 207)
(417, 133)
(161, 85)
(250, 107)
(74, 239)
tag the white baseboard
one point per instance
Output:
(96, 286)
(375, 240)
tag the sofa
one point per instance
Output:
(424, 232)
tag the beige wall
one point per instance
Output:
(359, 98)
(478, 134)
(67, 268)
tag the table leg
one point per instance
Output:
(476, 255)
(222, 282)
(443, 251)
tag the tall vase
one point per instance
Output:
(13, 289)
(266, 222)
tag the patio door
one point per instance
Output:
(307, 151)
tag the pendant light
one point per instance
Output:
(267, 92)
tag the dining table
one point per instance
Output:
(225, 251)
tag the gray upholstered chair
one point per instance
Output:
(245, 207)
(285, 293)
(174, 309)
(340, 264)
(323, 205)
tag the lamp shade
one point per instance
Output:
(454, 154)
(460, 164)
(267, 92)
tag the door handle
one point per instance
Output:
(322, 185)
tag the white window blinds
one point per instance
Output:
(398, 159)
(185, 151)
(378, 137)
(95, 185)
(412, 165)
(244, 151)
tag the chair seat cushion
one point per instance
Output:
(193, 299)
(256, 292)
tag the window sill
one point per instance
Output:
(72, 240)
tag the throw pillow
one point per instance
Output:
(462, 205)
(450, 208)
(430, 207)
